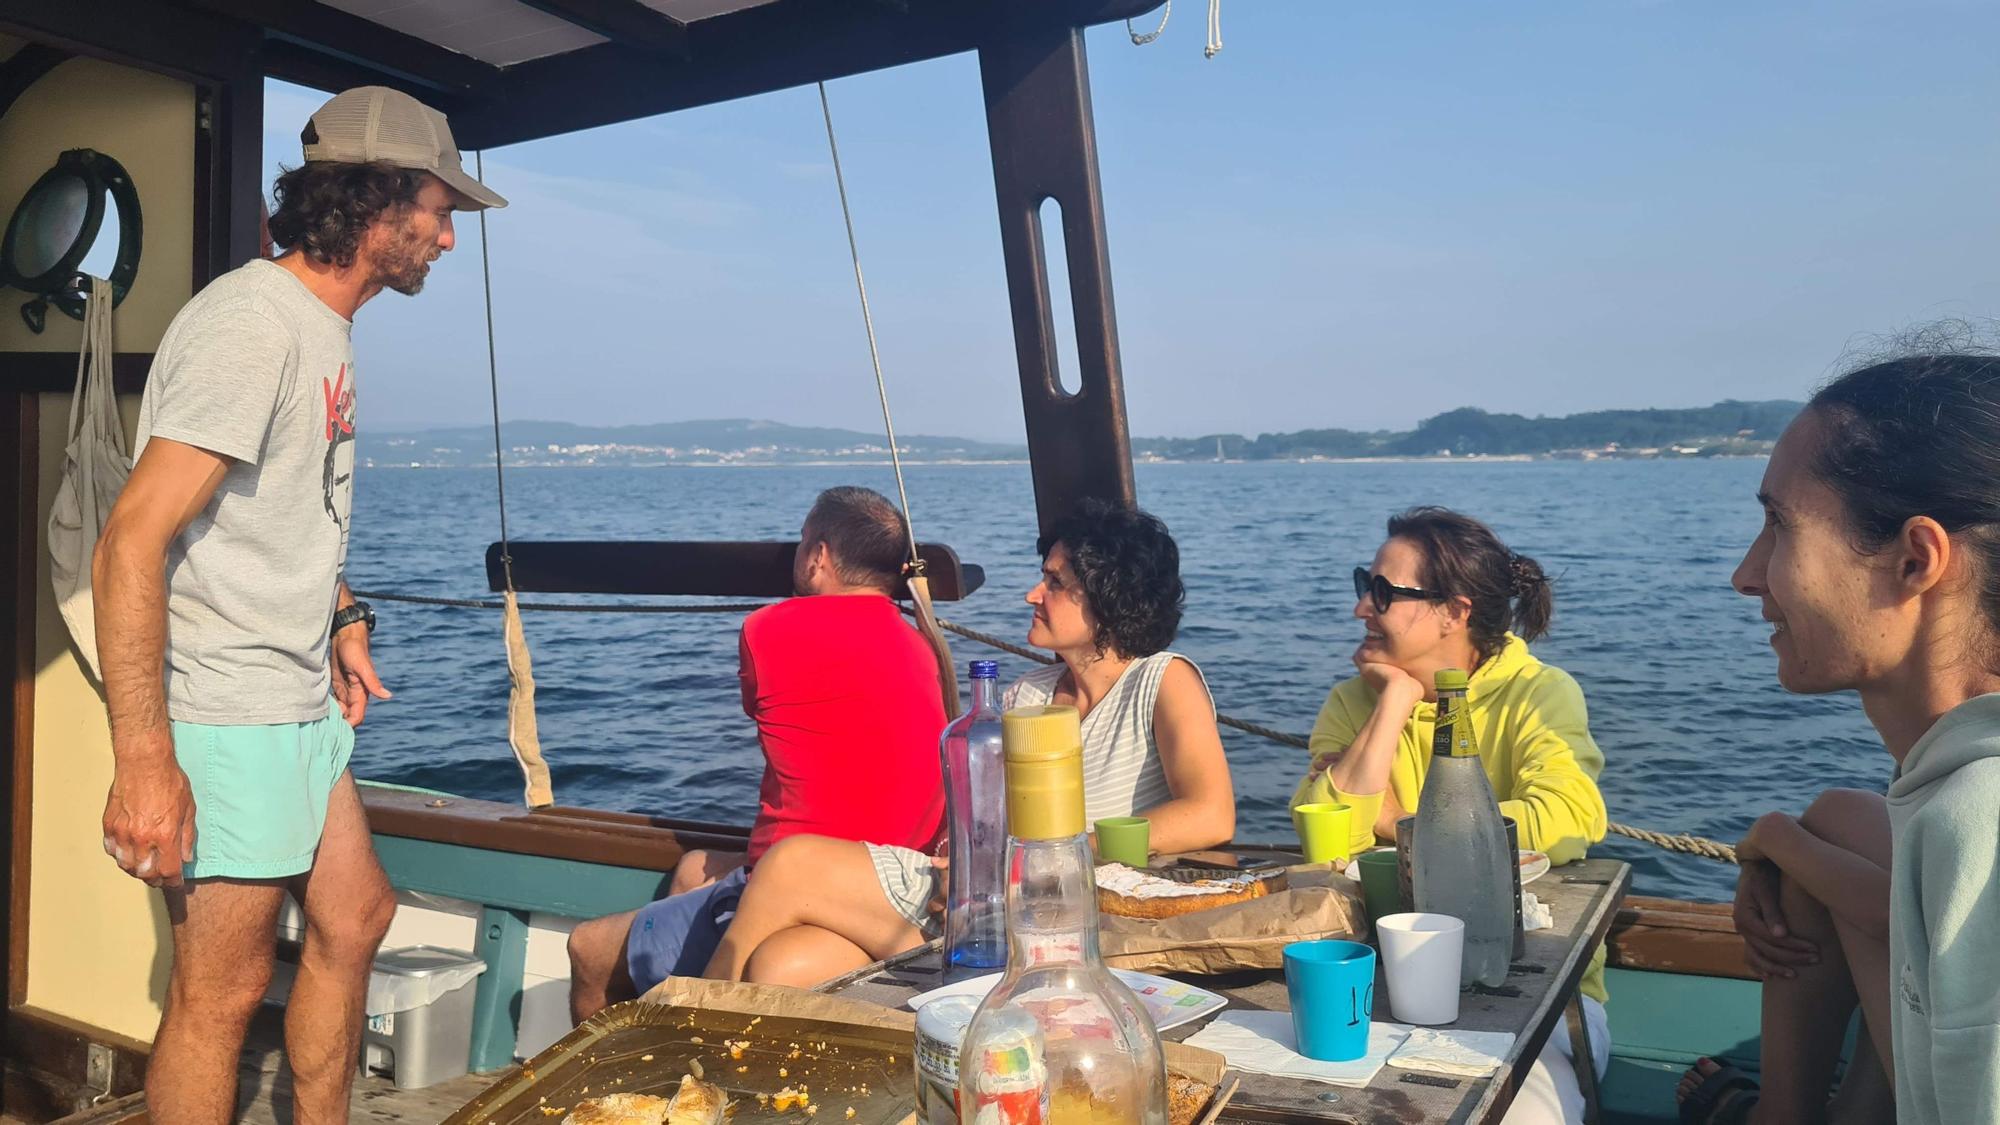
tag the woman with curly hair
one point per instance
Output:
(1445, 592)
(1108, 604)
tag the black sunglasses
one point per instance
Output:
(1381, 591)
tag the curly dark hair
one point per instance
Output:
(1464, 559)
(324, 208)
(1130, 571)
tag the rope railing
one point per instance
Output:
(1667, 841)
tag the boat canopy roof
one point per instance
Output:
(506, 71)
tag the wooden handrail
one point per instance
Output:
(583, 835)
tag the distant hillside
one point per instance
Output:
(721, 441)
(1725, 428)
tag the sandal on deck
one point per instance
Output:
(1724, 1097)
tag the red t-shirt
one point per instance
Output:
(845, 695)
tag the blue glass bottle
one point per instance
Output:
(975, 919)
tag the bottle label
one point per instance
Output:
(1012, 1086)
(1039, 949)
(1452, 736)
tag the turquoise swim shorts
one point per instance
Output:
(260, 793)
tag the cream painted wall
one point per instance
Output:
(146, 123)
(97, 938)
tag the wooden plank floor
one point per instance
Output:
(266, 1086)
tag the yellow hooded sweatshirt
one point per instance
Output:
(1534, 740)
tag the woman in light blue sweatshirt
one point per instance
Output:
(1879, 570)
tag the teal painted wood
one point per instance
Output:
(502, 943)
(1661, 1023)
(1673, 1017)
(514, 881)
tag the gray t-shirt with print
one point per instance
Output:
(259, 370)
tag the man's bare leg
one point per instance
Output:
(348, 904)
(1866, 1096)
(803, 956)
(598, 975)
(225, 934)
(812, 881)
(701, 868)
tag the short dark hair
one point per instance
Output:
(1918, 436)
(324, 208)
(1463, 558)
(1129, 568)
(865, 534)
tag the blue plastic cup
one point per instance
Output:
(1332, 986)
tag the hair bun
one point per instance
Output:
(1524, 575)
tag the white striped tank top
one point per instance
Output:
(1122, 774)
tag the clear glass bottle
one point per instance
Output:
(975, 917)
(1060, 1040)
(1460, 864)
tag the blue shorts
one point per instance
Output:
(676, 936)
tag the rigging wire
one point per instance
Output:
(919, 586)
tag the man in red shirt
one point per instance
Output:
(848, 709)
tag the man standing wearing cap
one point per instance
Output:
(225, 630)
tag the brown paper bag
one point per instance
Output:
(1317, 903)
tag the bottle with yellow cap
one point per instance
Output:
(1060, 1040)
(1460, 864)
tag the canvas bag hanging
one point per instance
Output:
(95, 465)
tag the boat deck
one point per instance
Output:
(265, 1085)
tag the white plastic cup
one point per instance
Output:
(1422, 958)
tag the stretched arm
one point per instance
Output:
(1202, 812)
(149, 814)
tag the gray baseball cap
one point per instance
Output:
(374, 123)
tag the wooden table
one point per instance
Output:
(1583, 896)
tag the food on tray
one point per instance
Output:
(619, 1109)
(696, 1103)
(1131, 893)
(1185, 1097)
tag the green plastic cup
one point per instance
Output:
(1323, 830)
(1381, 889)
(1123, 839)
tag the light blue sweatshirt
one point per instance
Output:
(1944, 930)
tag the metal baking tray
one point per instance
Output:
(854, 1075)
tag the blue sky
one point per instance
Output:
(1356, 215)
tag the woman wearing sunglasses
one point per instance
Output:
(1444, 592)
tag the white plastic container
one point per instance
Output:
(419, 1011)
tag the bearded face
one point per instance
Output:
(405, 240)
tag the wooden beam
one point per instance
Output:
(693, 569)
(47, 1058)
(623, 21)
(20, 539)
(583, 836)
(756, 50)
(367, 46)
(169, 38)
(1044, 142)
(1669, 936)
(55, 372)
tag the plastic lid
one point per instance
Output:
(423, 961)
(1044, 752)
(986, 669)
(1451, 679)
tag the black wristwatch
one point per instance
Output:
(359, 611)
